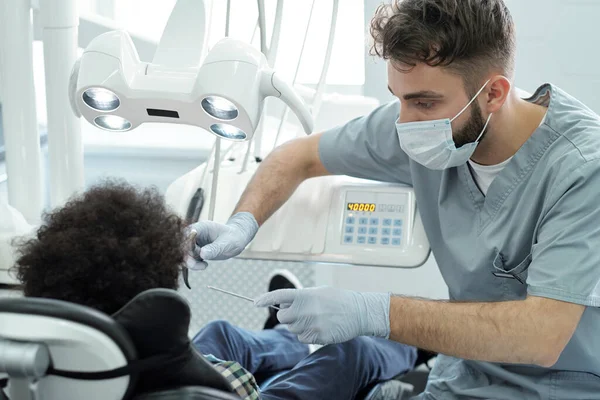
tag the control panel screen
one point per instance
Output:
(368, 207)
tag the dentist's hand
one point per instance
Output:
(215, 241)
(327, 315)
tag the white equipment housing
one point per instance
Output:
(325, 221)
(315, 225)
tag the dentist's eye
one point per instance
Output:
(426, 105)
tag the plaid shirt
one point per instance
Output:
(242, 381)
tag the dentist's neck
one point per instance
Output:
(509, 128)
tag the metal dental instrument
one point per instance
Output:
(195, 254)
(236, 295)
(185, 272)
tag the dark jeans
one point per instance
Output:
(339, 371)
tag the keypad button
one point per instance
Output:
(362, 230)
(386, 231)
(387, 222)
(363, 221)
(347, 239)
(396, 241)
(372, 240)
(372, 231)
(385, 241)
(397, 232)
(361, 240)
(350, 220)
(374, 221)
(349, 229)
(397, 222)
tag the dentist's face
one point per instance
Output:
(429, 93)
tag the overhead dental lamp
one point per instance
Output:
(114, 90)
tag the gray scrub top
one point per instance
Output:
(536, 232)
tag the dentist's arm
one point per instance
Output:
(274, 182)
(365, 147)
(279, 175)
(531, 331)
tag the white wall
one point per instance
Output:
(375, 68)
(557, 42)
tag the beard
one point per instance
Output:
(472, 129)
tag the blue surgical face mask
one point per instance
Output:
(430, 143)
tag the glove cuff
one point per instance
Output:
(246, 222)
(378, 314)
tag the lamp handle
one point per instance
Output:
(274, 86)
(73, 77)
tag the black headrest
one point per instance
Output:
(158, 321)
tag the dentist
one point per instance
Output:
(507, 190)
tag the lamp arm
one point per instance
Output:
(184, 38)
(273, 85)
(276, 35)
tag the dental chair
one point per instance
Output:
(51, 349)
(54, 350)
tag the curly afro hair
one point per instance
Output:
(103, 248)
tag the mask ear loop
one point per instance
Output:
(472, 100)
(483, 130)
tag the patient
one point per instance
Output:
(113, 242)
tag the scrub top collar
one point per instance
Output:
(521, 165)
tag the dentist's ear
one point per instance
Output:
(273, 85)
(498, 91)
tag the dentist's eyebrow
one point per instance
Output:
(424, 94)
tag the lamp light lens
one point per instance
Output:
(228, 131)
(101, 99)
(112, 123)
(219, 107)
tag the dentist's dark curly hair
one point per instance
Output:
(103, 248)
(468, 37)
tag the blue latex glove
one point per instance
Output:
(215, 241)
(326, 315)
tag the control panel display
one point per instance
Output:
(367, 207)
(374, 219)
